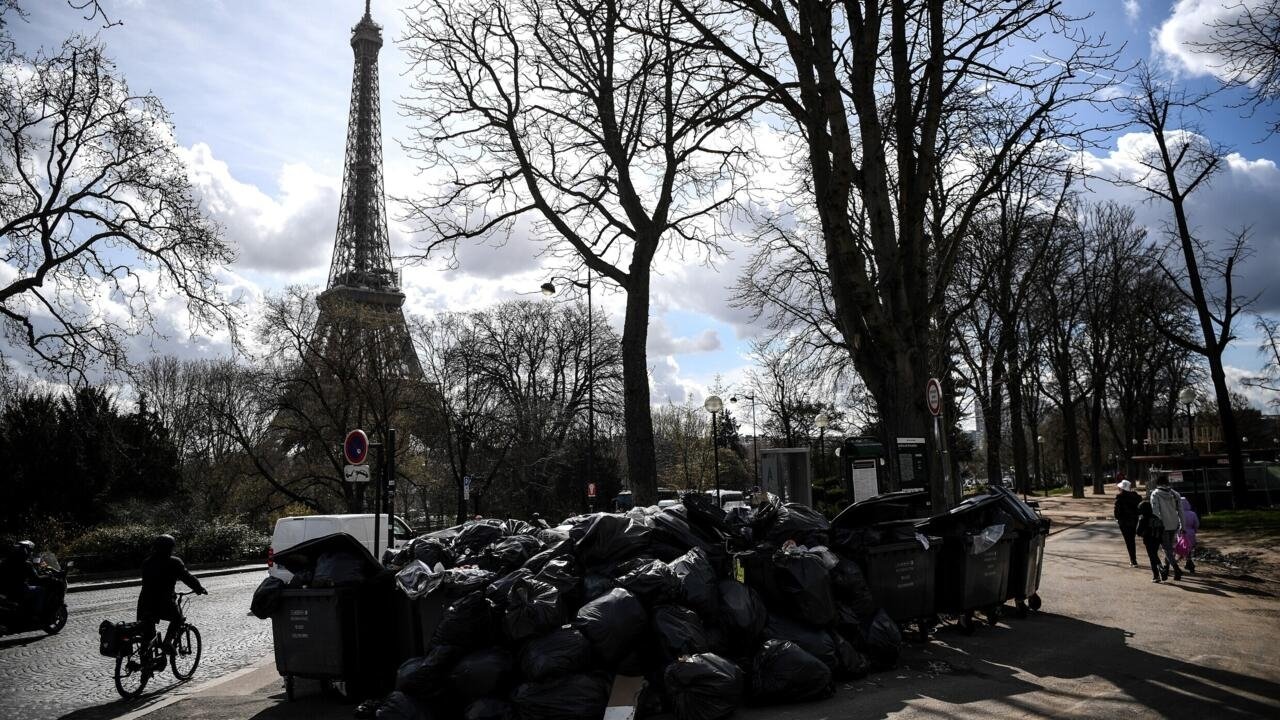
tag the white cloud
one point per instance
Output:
(290, 233)
(1190, 23)
(662, 342)
(1132, 8)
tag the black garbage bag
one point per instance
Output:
(512, 526)
(653, 582)
(785, 672)
(498, 590)
(743, 615)
(562, 573)
(489, 709)
(509, 553)
(482, 673)
(399, 706)
(703, 512)
(476, 535)
(850, 587)
(678, 632)
(266, 599)
(468, 622)
(611, 538)
(338, 567)
(533, 608)
(618, 569)
(432, 551)
(697, 582)
(428, 676)
(612, 623)
(456, 582)
(558, 549)
(851, 663)
(593, 586)
(703, 687)
(881, 641)
(803, 585)
(800, 524)
(818, 642)
(560, 652)
(672, 527)
(758, 573)
(571, 697)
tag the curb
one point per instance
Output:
(173, 698)
(137, 582)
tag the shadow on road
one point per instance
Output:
(22, 641)
(122, 706)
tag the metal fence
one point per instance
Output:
(1209, 489)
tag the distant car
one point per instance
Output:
(290, 531)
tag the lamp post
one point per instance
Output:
(822, 421)
(549, 289)
(1040, 464)
(1188, 397)
(755, 435)
(714, 405)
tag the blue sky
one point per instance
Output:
(259, 93)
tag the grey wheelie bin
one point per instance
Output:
(973, 563)
(1026, 558)
(901, 577)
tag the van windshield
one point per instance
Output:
(402, 531)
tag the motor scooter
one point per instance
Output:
(51, 617)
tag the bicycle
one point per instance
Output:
(138, 659)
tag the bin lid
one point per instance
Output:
(304, 554)
(899, 505)
(1021, 512)
(961, 516)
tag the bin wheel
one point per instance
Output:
(1020, 608)
(966, 623)
(288, 687)
(1034, 602)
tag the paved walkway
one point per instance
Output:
(1108, 643)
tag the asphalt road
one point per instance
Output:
(50, 676)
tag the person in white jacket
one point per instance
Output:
(1167, 506)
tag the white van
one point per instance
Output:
(293, 530)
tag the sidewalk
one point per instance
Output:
(1096, 650)
(125, 582)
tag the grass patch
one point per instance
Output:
(1254, 522)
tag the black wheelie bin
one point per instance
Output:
(334, 620)
(973, 562)
(1026, 559)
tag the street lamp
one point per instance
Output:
(1040, 464)
(755, 434)
(714, 405)
(549, 289)
(1188, 397)
(822, 421)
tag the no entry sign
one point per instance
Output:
(933, 396)
(356, 447)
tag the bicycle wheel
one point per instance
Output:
(185, 655)
(132, 672)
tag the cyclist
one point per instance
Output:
(161, 571)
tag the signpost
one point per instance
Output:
(933, 399)
(355, 448)
(356, 473)
(591, 496)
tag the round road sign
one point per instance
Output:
(356, 447)
(933, 396)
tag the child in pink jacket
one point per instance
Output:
(1190, 523)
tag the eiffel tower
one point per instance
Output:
(359, 369)
(363, 303)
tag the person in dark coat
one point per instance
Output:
(1126, 515)
(1152, 532)
(161, 572)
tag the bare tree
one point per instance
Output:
(1269, 378)
(94, 204)
(1247, 39)
(1180, 162)
(600, 125)
(876, 95)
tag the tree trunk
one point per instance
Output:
(1230, 435)
(1071, 447)
(1017, 435)
(1095, 440)
(642, 466)
(991, 422)
(903, 413)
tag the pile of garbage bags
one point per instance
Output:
(713, 610)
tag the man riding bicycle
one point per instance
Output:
(161, 571)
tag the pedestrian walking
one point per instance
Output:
(1151, 531)
(1126, 515)
(1186, 546)
(1167, 505)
